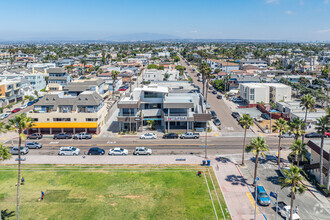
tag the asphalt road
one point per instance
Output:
(228, 123)
(12, 115)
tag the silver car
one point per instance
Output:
(24, 150)
(33, 145)
(287, 135)
(118, 151)
(69, 151)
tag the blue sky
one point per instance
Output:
(217, 19)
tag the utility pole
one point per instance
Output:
(206, 141)
(255, 198)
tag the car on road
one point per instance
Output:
(62, 136)
(34, 136)
(33, 145)
(284, 211)
(82, 135)
(30, 103)
(171, 136)
(122, 89)
(198, 74)
(4, 115)
(237, 100)
(262, 196)
(16, 110)
(265, 116)
(214, 92)
(313, 135)
(327, 134)
(287, 135)
(235, 114)
(148, 136)
(69, 151)
(23, 106)
(95, 151)
(213, 114)
(208, 105)
(219, 96)
(142, 151)
(217, 122)
(211, 88)
(189, 135)
(24, 150)
(118, 151)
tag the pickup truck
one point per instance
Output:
(284, 210)
(82, 135)
(189, 135)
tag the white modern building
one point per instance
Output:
(37, 81)
(160, 75)
(253, 62)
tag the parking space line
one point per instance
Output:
(251, 199)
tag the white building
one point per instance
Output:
(253, 62)
(164, 54)
(254, 93)
(160, 75)
(37, 81)
(41, 65)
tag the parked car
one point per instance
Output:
(284, 210)
(62, 136)
(4, 115)
(82, 135)
(23, 106)
(327, 134)
(95, 151)
(189, 135)
(235, 114)
(214, 92)
(33, 145)
(142, 151)
(148, 136)
(313, 135)
(69, 151)
(219, 96)
(171, 136)
(213, 114)
(30, 103)
(118, 151)
(265, 116)
(287, 135)
(211, 88)
(237, 100)
(35, 136)
(217, 122)
(208, 106)
(24, 150)
(262, 196)
(16, 110)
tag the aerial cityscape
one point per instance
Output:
(165, 109)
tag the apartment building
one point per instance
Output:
(59, 76)
(10, 90)
(37, 81)
(253, 62)
(254, 93)
(153, 75)
(79, 86)
(170, 108)
(57, 112)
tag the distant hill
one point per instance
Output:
(140, 37)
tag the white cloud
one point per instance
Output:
(193, 31)
(323, 31)
(272, 1)
(289, 12)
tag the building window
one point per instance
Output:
(91, 119)
(35, 119)
(75, 119)
(47, 119)
(62, 119)
(252, 91)
(252, 97)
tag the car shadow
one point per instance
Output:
(236, 180)
(223, 159)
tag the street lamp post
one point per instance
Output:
(206, 141)
(255, 197)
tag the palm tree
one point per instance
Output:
(307, 102)
(257, 146)
(114, 75)
(294, 180)
(282, 127)
(4, 155)
(322, 127)
(297, 127)
(245, 121)
(19, 124)
(208, 76)
(299, 149)
(204, 69)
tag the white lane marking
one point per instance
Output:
(54, 142)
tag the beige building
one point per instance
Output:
(10, 90)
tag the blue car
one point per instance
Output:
(30, 103)
(262, 196)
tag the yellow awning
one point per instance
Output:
(64, 125)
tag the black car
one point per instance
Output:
(62, 136)
(214, 115)
(235, 114)
(35, 136)
(313, 135)
(171, 136)
(96, 151)
(265, 116)
(219, 96)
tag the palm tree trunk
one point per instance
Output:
(207, 89)
(113, 90)
(255, 169)
(305, 127)
(203, 85)
(279, 151)
(298, 160)
(321, 160)
(244, 146)
(291, 203)
(19, 170)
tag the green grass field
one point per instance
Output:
(112, 192)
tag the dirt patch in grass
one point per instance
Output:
(132, 196)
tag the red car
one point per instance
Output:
(122, 89)
(327, 134)
(16, 110)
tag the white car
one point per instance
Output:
(4, 115)
(118, 151)
(23, 106)
(24, 150)
(148, 136)
(70, 151)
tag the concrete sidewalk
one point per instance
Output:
(235, 190)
